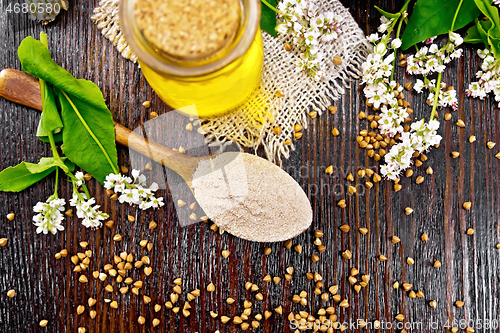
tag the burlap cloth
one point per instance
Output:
(251, 125)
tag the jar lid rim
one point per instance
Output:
(251, 22)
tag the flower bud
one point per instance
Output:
(380, 48)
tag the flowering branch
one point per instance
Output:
(49, 217)
(489, 77)
(86, 210)
(385, 94)
(309, 28)
(134, 192)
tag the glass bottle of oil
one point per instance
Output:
(202, 52)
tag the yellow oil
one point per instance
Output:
(216, 93)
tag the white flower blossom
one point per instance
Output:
(49, 217)
(421, 137)
(86, 210)
(385, 23)
(456, 38)
(489, 78)
(380, 92)
(391, 120)
(377, 94)
(381, 48)
(281, 28)
(447, 97)
(430, 40)
(433, 49)
(483, 53)
(79, 175)
(396, 43)
(418, 85)
(432, 59)
(309, 28)
(373, 38)
(134, 192)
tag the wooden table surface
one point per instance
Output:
(47, 288)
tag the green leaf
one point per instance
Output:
(68, 164)
(50, 120)
(483, 27)
(57, 138)
(45, 163)
(485, 32)
(489, 11)
(434, 17)
(478, 33)
(491, 36)
(20, 177)
(48, 162)
(36, 60)
(268, 18)
(490, 26)
(23, 175)
(494, 43)
(88, 131)
(473, 36)
(88, 136)
(387, 14)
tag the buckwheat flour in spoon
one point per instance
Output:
(251, 198)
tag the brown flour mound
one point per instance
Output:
(188, 29)
(251, 198)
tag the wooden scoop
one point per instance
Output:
(285, 218)
(21, 88)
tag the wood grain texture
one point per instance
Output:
(48, 289)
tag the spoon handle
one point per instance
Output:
(21, 88)
(184, 165)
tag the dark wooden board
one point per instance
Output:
(48, 289)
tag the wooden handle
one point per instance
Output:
(184, 165)
(21, 88)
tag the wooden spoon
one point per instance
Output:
(289, 212)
